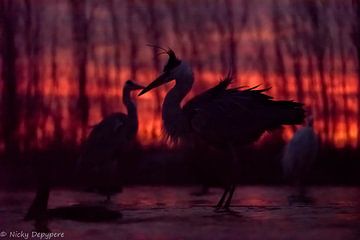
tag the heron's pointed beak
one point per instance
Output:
(162, 79)
(138, 86)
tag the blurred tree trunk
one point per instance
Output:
(312, 90)
(295, 51)
(133, 39)
(10, 107)
(344, 74)
(344, 71)
(263, 66)
(33, 103)
(178, 15)
(334, 116)
(318, 38)
(80, 30)
(196, 44)
(235, 33)
(221, 31)
(116, 37)
(57, 114)
(105, 108)
(232, 41)
(196, 58)
(356, 41)
(279, 65)
(153, 30)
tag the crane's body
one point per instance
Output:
(299, 156)
(97, 163)
(110, 137)
(221, 116)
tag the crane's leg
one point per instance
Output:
(234, 162)
(222, 199)
(230, 188)
(228, 200)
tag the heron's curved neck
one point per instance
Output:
(129, 104)
(172, 113)
(175, 96)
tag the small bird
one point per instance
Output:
(299, 157)
(220, 117)
(107, 140)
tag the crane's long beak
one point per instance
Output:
(138, 86)
(162, 79)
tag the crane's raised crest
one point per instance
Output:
(173, 61)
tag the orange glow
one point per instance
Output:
(150, 126)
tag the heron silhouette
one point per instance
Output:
(221, 117)
(98, 161)
(107, 140)
(299, 156)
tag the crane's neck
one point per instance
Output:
(130, 105)
(172, 113)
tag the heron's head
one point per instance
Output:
(173, 69)
(132, 86)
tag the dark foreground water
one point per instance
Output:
(172, 213)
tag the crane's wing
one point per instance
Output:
(223, 114)
(104, 139)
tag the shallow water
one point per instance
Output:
(173, 213)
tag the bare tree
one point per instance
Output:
(221, 29)
(334, 116)
(10, 107)
(111, 6)
(234, 31)
(318, 39)
(34, 51)
(58, 131)
(341, 26)
(356, 42)
(178, 15)
(262, 59)
(153, 26)
(197, 39)
(294, 47)
(132, 39)
(80, 30)
(279, 66)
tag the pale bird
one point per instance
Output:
(299, 157)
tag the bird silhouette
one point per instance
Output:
(97, 163)
(220, 117)
(109, 138)
(299, 156)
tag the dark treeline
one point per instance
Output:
(63, 62)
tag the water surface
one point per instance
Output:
(173, 213)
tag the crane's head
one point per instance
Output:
(173, 69)
(132, 86)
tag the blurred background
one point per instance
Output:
(63, 64)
